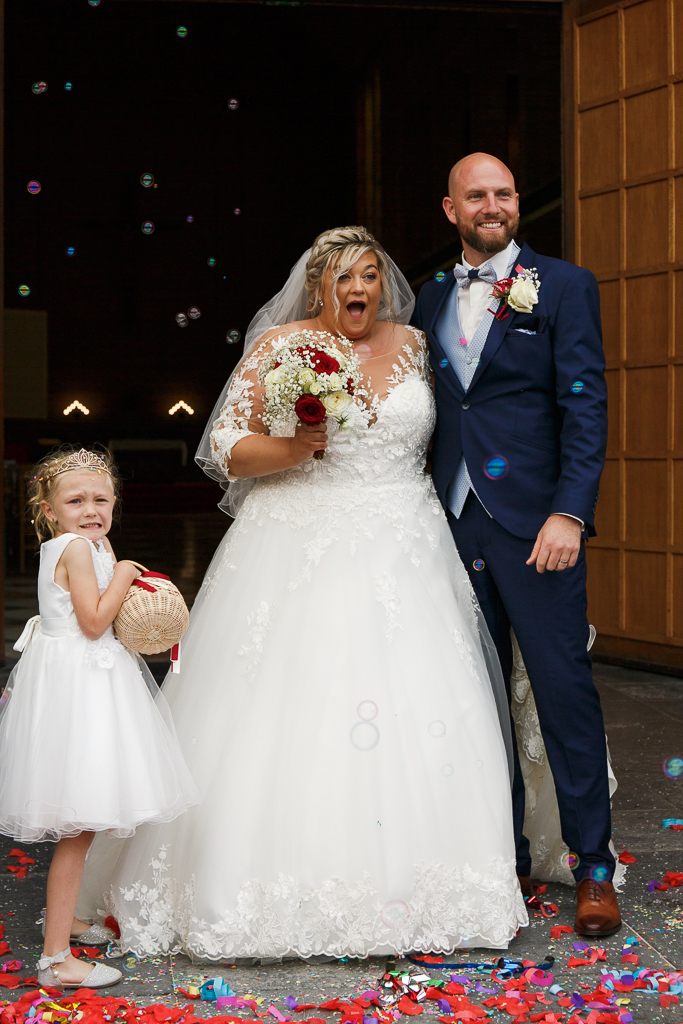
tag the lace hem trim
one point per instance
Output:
(448, 908)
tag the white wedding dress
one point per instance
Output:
(335, 711)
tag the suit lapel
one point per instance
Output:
(525, 258)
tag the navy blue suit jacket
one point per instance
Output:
(538, 400)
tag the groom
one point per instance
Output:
(517, 456)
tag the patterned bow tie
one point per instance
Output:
(484, 273)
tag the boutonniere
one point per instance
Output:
(519, 293)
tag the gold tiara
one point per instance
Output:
(77, 460)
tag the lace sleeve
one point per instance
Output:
(420, 353)
(241, 414)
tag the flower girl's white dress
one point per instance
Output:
(335, 711)
(83, 743)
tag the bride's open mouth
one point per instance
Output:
(356, 310)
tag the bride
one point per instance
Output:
(338, 701)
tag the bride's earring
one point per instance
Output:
(322, 302)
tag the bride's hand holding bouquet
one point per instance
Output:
(310, 375)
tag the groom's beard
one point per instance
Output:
(481, 240)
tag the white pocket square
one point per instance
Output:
(521, 330)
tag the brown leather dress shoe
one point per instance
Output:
(597, 913)
(525, 885)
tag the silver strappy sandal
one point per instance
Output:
(95, 935)
(101, 976)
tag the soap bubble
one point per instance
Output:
(70, 250)
(194, 313)
(569, 860)
(363, 352)
(147, 227)
(39, 87)
(600, 874)
(478, 564)
(181, 320)
(364, 736)
(436, 729)
(233, 104)
(233, 337)
(94, 3)
(211, 261)
(367, 710)
(673, 767)
(68, 86)
(496, 467)
(181, 31)
(577, 386)
(24, 290)
(189, 219)
(446, 769)
(395, 914)
(443, 364)
(146, 180)
(439, 276)
(237, 211)
(33, 187)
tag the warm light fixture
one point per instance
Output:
(76, 405)
(181, 405)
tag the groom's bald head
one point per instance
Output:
(482, 203)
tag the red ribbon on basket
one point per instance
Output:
(139, 582)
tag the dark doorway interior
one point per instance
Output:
(344, 115)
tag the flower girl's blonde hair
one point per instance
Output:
(45, 476)
(340, 248)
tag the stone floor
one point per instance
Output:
(644, 720)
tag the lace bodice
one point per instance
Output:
(387, 433)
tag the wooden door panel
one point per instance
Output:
(600, 243)
(646, 410)
(645, 32)
(646, 151)
(647, 317)
(624, 221)
(645, 593)
(603, 587)
(646, 501)
(610, 305)
(678, 502)
(647, 225)
(599, 146)
(599, 61)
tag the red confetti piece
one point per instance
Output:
(627, 858)
(408, 1007)
(558, 930)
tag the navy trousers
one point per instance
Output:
(548, 614)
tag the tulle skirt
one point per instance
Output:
(334, 709)
(84, 747)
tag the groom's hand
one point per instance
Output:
(557, 545)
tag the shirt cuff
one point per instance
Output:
(570, 516)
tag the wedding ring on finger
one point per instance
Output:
(564, 561)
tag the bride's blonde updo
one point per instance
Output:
(339, 249)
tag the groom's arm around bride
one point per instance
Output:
(517, 455)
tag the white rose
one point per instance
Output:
(274, 376)
(337, 403)
(314, 388)
(334, 382)
(523, 295)
(306, 376)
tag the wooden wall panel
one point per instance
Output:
(604, 588)
(624, 203)
(647, 317)
(599, 78)
(645, 30)
(599, 128)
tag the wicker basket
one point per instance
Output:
(153, 616)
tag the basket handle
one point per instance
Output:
(136, 564)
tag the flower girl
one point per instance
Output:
(85, 745)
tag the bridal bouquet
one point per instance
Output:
(311, 375)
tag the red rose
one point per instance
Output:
(310, 410)
(322, 363)
(349, 387)
(501, 287)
